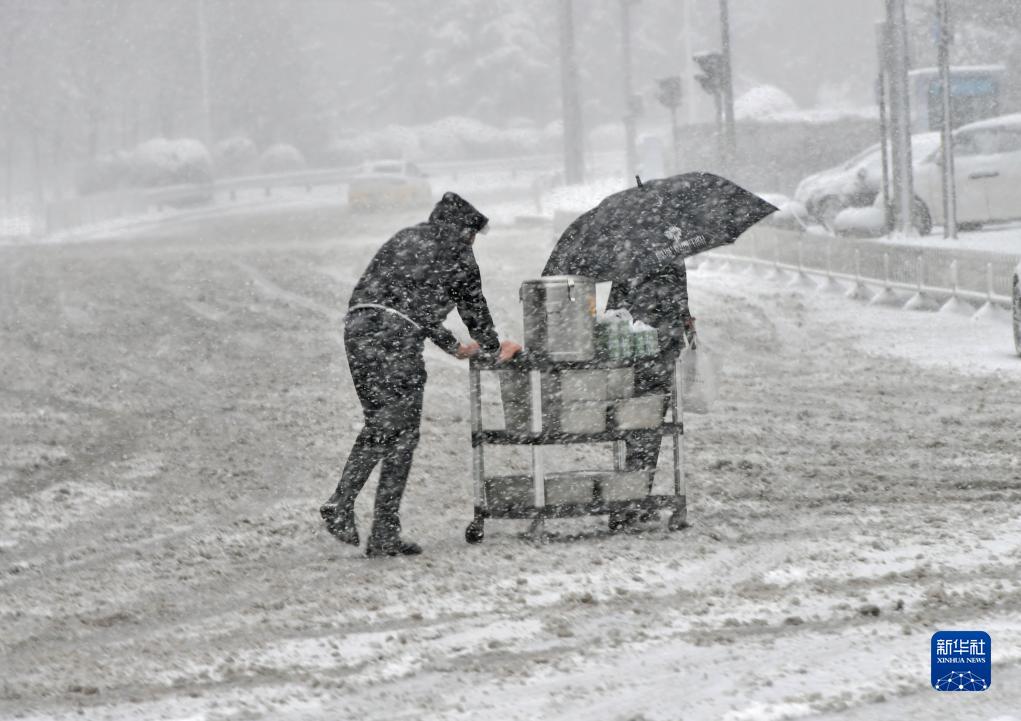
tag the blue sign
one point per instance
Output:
(965, 86)
(961, 661)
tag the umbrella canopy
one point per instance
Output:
(637, 231)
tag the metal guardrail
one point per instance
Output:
(86, 210)
(939, 272)
(66, 214)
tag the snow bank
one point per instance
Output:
(868, 221)
(169, 162)
(790, 214)
(451, 137)
(1004, 238)
(763, 102)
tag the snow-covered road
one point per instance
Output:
(174, 406)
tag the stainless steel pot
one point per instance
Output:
(560, 317)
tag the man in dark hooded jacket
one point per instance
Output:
(410, 286)
(661, 301)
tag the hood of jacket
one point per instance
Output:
(457, 214)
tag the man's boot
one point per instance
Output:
(622, 521)
(340, 519)
(385, 540)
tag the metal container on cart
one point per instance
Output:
(559, 315)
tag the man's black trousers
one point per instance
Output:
(653, 376)
(384, 353)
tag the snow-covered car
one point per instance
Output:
(1017, 309)
(987, 173)
(790, 214)
(388, 184)
(856, 183)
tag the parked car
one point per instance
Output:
(1017, 309)
(387, 184)
(987, 173)
(856, 183)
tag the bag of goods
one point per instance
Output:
(613, 335)
(644, 340)
(699, 371)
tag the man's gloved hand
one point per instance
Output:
(466, 350)
(508, 349)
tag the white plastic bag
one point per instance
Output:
(699, 371)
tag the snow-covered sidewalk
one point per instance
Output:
(947, 340)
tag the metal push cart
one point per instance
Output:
(538, 510)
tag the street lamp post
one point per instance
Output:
(207, 122)
(727, 88)
(884, 125)
(669, 94)
(630, 106)
(946, 138)
(574, 159)
(900, 115)
(711, 80)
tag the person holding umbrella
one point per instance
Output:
(402, 298)
(659, 299)
(638, 238)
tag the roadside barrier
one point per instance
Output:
(40, 219)
(880, 272)
(955, 304)
(921, 300)
(800, 279)
(990, 308)
(887, 296)
(79, 211)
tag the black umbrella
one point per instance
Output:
(636, 231)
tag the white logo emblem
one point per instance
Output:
(673, 233)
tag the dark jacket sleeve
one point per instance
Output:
(438, 333)
(466, 293)
(443, 338)
(674, 312)
(660, 300)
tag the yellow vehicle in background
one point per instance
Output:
(388, 185)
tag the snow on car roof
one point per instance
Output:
(1000, 121)
(959, 70)
(385, 166)
(920, 143)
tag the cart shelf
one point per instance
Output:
(570, 510)
(531, 361)
(480, 438)
(548, 438)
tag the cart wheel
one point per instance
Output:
(620, 521)
(475, 531)
(536, 532)
(679, 518)
(616, 522)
